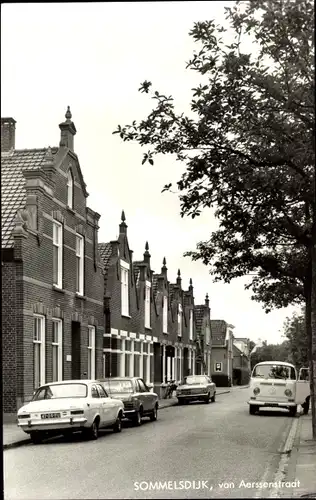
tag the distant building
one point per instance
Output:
(52, 282)
(222, 348)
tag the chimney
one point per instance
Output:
(68, 131)
(7, 134)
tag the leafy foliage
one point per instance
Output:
(295, 331)
(248, 147)
(271, 352)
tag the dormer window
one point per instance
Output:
(147, 304)
(165, 314)
(180, 314)
(70, 189)
(191, 325)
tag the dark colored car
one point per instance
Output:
(138, 400)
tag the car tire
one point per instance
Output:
(253, 409)
(154, 414)
(137, 419)
(93, 431)
(117, 427)
(36, 437)
(293, 411)
(208, 398)
(305, 406)
(213, 397)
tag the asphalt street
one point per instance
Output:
(216, 443)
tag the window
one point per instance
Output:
(57, 347)
(39, 351)
(94, 392)
(80, 263)
(57, 254)
(208, 335)
(165, 315)
(91, 352)
(141, 386)
(102, 392)
(147, 304)
(136, 365)
(191, 325)
(180, 320)
(124, 288)
(70, 189)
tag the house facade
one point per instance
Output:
(222, 350)
(151, 327)
(53, 284)
(241, 361)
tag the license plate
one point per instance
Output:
(50, 415)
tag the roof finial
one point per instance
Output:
(190, 281)
(146, 246)
(68, 114)
(206, 296)
(179, 274)
(123, 218)
(164, 262)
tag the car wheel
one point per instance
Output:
(93, 431)
(36, 437)
(117, 427)
(252, 409)
(154, 414)
(213, 397)
(138, 418)
(293, 411)
(306, 406)
(207, 399)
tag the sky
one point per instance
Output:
(93, 57)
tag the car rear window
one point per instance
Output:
(117, 386)
(61, 391)
(191, 380)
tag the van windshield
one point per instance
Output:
(274, 371)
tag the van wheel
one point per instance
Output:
(306, 405)
(36, 437)
(293, 411)
(252, 409)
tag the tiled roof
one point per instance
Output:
(105, 251)
(13, 194)
(218, 331)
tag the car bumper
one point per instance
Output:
(192, 396)
(272, 404)
(64, 424)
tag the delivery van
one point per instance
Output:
(277, 384)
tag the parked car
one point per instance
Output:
(138, 400)
(65, 407)
(196, 388)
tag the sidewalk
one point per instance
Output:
(13, 437)
(302, 467)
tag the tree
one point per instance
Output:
(295, 332)
(249, 152)
(271, 352)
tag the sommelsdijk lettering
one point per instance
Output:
(171, 485)
(274, 484)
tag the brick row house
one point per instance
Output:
(151, 326)
(52, 279)
(74, 308)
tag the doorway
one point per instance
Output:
(75, 350)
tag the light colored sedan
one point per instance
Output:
(64, 407)
(196, 388)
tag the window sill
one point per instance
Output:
(57, 289)
(126, 316)
(71, 210)
(165, 333)
(79, 296)
(148, 328)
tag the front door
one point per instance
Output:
(75, 351)
(302, 386)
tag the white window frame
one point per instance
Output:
(180, 314)
(147, 304)
(70, 189)
(38, 318)
(59, 345)
(191, 325)
(124, 288)
(80, 256)
(58, 243)
(165, 315)
(91, 352)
